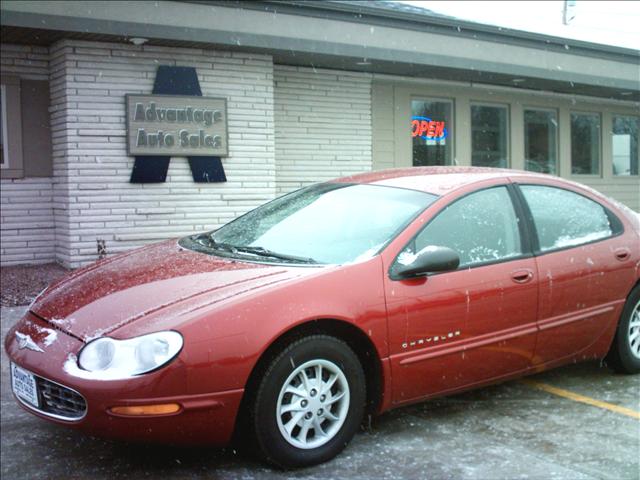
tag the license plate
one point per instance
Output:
(24, 385)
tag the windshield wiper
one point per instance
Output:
(263, 252)
(207, 240)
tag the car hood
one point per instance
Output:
(98, 299)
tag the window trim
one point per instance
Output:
(556, 111)
(617, 225)
(14, 166)
(507, 107)
(600, 173)
(429, 98)
(523, 230)
(5, 136)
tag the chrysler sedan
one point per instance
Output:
(344, 298)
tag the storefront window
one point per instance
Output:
(541, 141)
(431, 131)
(585, 143)
(489, 134)
(625, 145)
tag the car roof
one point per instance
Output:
(442, 180)
(436, 180)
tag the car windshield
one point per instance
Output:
(330, 223)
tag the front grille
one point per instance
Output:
(60, 401)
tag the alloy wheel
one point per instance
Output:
(634, 331)
(313, 404)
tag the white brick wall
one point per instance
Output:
(93, 198)
(323, 125)
(322, 128)
(26, 215)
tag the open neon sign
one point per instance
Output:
(428, 129)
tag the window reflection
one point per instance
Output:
(431, 132)
(625, 145)
(541, 140)
(481, 227)
(489, 136)
(585, 143)
(565, 219)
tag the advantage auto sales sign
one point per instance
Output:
(176, 125)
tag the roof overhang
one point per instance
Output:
(341, 35)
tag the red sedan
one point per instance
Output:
(352, 296)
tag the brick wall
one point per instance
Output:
(93, 198)
(323, 125)
(26, 214)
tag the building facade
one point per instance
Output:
(312, 91)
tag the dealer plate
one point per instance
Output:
(24, 385)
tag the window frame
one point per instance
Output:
(507, 107)
(555, 111)
(5, 147)
(11, 108)
(617, 226)
(600, 172)
(451, 128)
(522, 224)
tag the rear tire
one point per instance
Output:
(624, 354)
(309, 403)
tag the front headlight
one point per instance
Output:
(127, 358)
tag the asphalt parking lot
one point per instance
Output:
(578, 422)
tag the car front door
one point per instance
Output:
(454, 329)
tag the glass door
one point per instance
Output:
(431, 132)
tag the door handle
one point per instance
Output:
(522, 276)
(622, 254)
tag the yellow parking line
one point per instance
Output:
(582, 399)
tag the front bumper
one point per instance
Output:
(203, 418)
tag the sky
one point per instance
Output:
(606, 22)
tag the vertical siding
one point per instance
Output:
(26, 213)
(382, 111)
(323, 125)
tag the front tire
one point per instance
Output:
(624, 355)
(309, 403)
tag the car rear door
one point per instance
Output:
(586, 271)
(455, 329)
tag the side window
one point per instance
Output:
(481, 227)
(565, 219)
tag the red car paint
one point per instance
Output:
(492, 322)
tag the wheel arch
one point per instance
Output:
(353, 336)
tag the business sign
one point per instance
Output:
(429, 130)
(176, 125)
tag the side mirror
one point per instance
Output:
(430, 259)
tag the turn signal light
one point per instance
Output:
(137, 410)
